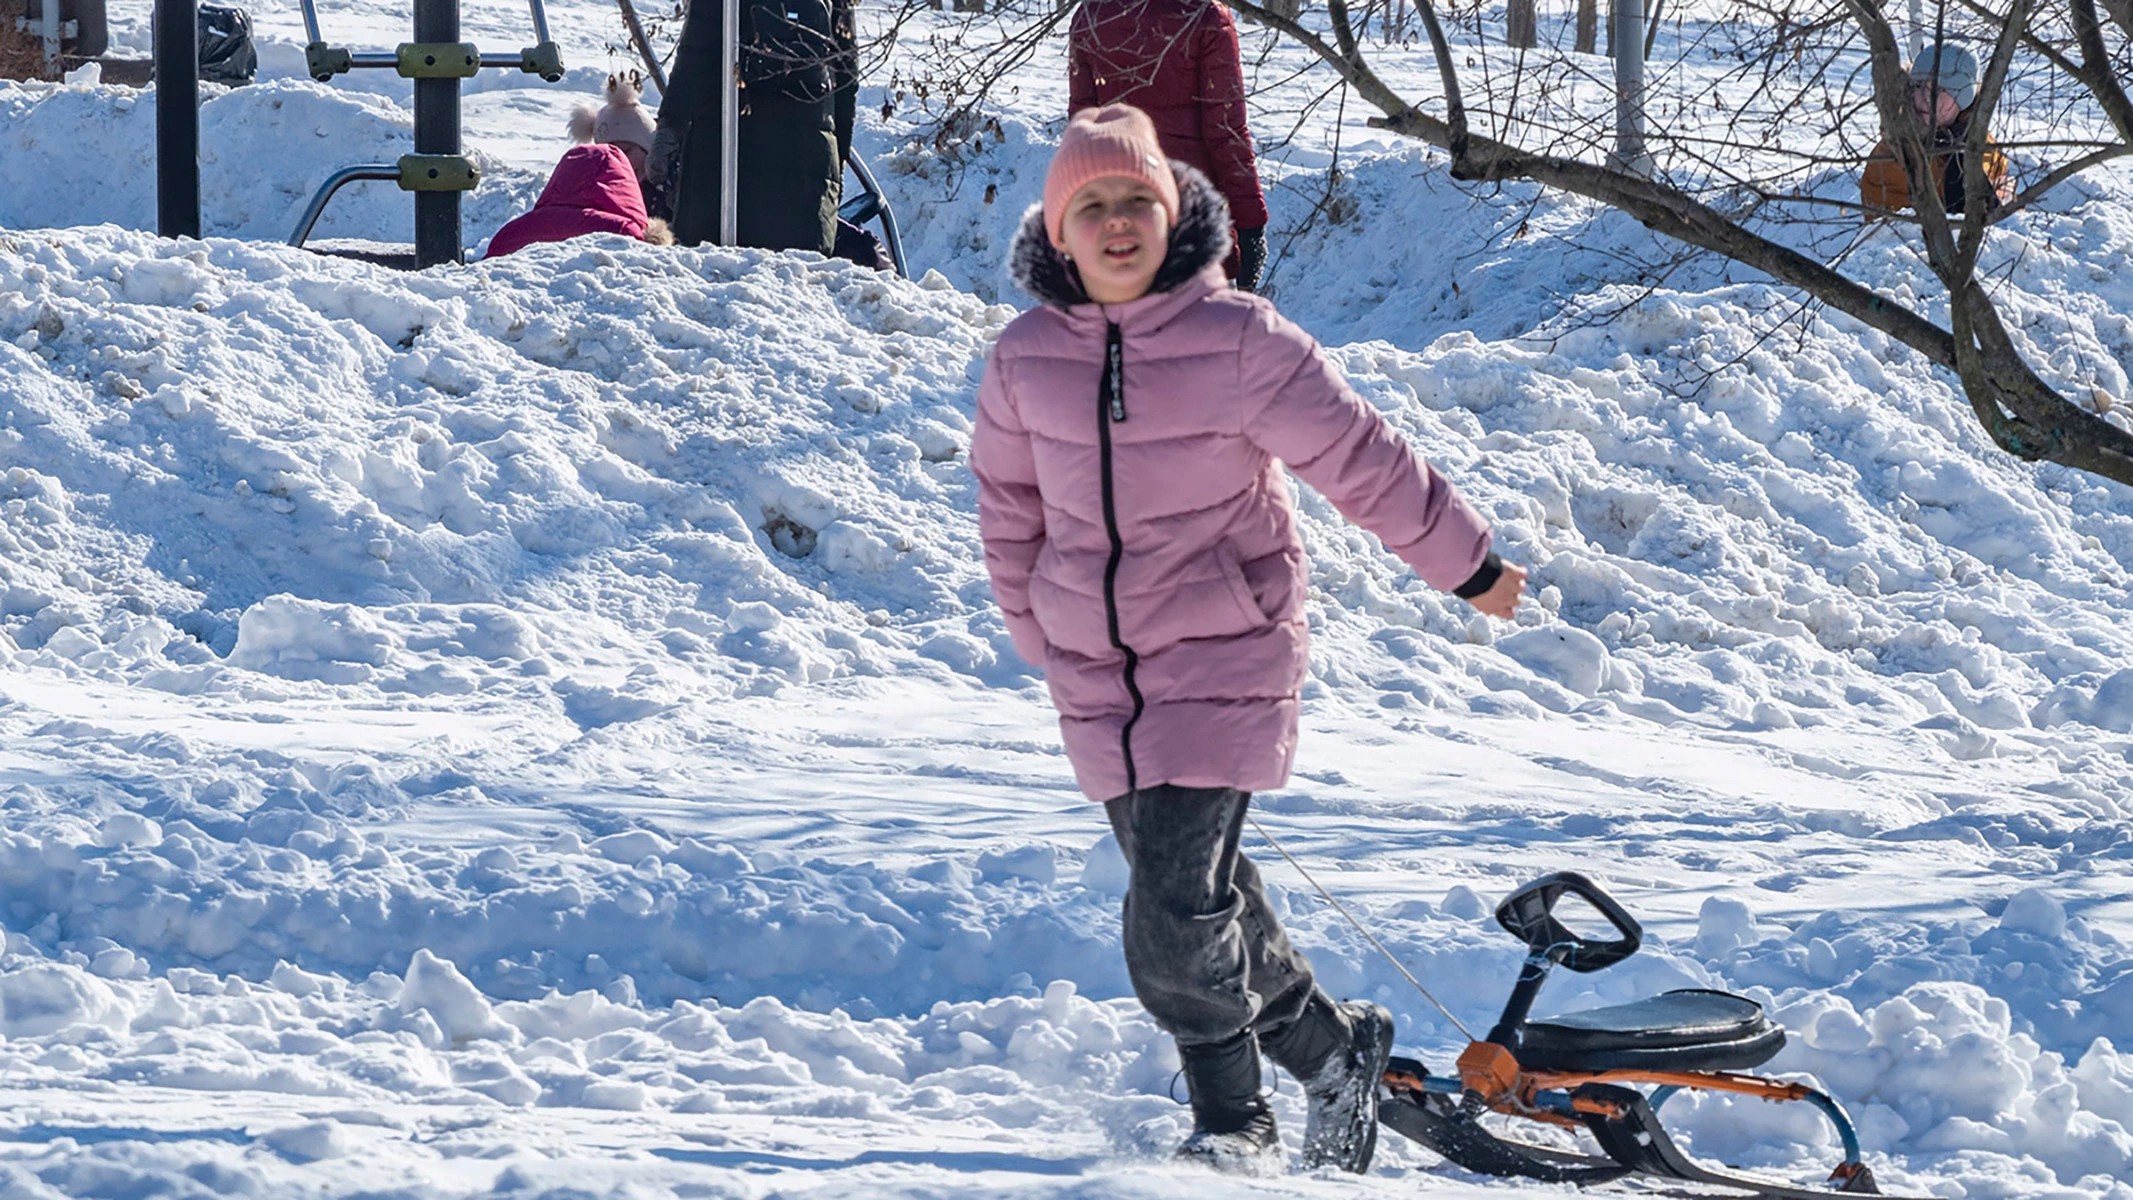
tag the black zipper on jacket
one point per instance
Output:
(1111, 409)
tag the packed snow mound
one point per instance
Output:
(1935, 1075)
(232, 456)
(321, 472)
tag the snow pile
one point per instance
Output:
(1791, 545)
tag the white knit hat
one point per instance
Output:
(621, 121)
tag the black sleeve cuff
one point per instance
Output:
(1483, 578)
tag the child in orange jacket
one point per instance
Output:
(1943, 88)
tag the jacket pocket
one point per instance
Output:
(1240, 588)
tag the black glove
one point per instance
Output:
(1251, 258)
(659, 167)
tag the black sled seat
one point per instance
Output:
(1688, 1030)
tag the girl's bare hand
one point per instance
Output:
(1501, 600)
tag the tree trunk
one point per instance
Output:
(2122, 12)
(1589, 25)
(1521, 28)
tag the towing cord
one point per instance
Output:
(1369, 936)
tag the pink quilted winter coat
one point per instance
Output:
(1139, 530)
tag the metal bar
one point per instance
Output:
(1710, 1081)
(389, 62)
(1842, 1120)
(729, 122)
(334, 182)
(311, 21)
(436, 132)
(177, 68)
(540, 21)
(889, 231)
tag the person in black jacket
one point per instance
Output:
(799, 72)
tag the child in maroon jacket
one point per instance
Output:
(1178, 61)
(594, 190)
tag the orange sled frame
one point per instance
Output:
(1585, 1070)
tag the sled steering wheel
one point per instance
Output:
(1528, 914)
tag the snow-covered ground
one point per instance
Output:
(542, 729)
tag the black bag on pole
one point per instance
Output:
(227, 55)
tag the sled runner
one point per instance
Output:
(1605, 1070)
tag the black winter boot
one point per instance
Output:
(1338, 1052)
(1232, 1127)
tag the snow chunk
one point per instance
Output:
(632, 846)
(2033, 910)
(1105, 871)
(304, 639)
(1567, 655)
(1033, 861)
(1722, 925)
(128, 829)
(43, 998)
(461, 1012)
(308, 1142)
(1464, 903)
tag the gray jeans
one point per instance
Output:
(1206, 955)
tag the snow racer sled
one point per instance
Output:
(1605, 1070)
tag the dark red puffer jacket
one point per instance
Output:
(1177, 61)
(594, 190)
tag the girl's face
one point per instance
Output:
(1934, 108)
(1117, 233)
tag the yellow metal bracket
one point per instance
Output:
(438, 173)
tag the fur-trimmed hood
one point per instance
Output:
(1199, 238)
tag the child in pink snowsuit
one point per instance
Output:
(1143, 548)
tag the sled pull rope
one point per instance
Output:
(1369, 936)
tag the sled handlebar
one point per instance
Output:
(1528, 914)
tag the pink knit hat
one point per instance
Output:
(1115, 140)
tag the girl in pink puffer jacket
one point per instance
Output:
(1143, 548)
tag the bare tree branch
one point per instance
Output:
(2018, 410)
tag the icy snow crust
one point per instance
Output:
(542, 728)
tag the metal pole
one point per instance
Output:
(436, 132)
(51, 39)
(729, 122)
(177, 69)
(1629, 152)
